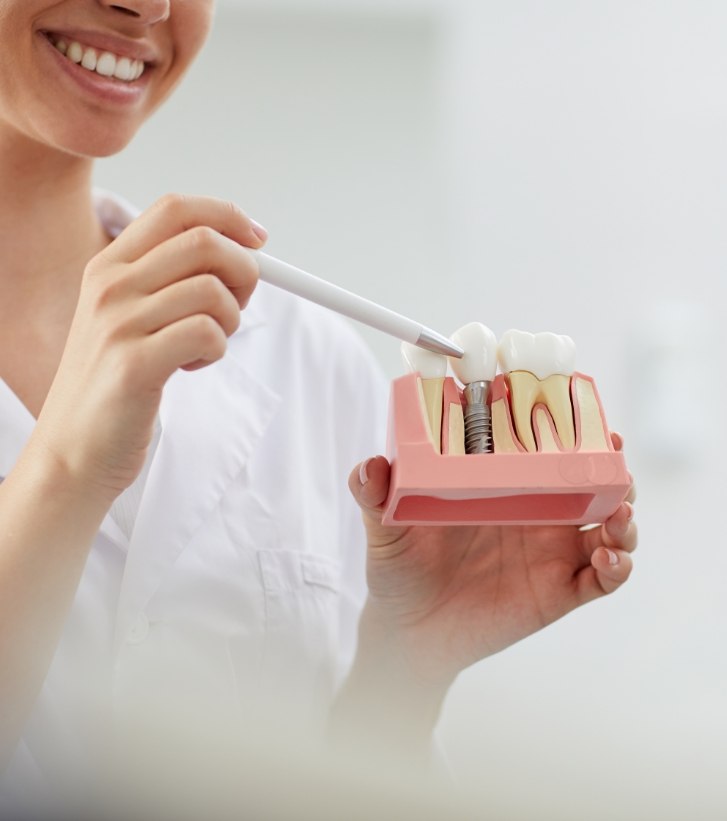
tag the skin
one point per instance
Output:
(165, 295)
(444, 598)
(80, 313)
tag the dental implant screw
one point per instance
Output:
(477, 418)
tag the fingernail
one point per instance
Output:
(363, 473)
(629, 511)
(260, 232)
(612, 557)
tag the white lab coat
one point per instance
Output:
(244, 574)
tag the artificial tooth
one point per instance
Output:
(62, 46)
(544, 431)
(476, 370)
(538, 368)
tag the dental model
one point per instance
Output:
(431, 369)
(538, 369)
(476, 370)
(551, 459)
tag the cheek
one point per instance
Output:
(191, 27)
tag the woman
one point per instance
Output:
(172, 527)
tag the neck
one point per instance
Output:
(48, 230)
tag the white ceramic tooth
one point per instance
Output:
(106, 65)
(479, 363)
(90, 58)
(558, 351)
(62, 46)
(75, 52)
(542, 354)
(428, 364)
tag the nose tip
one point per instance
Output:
(148, 12)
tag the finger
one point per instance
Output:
(608, 570)
(197, 251)
(617, 441)
(176, 213)
(619, 531)
(631, 496)
(193, 341)
(369, 484)
(203, 294)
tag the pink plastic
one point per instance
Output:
(426, 487)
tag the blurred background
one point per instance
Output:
(546, 166)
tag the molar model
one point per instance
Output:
(552, 461)
(538, 370)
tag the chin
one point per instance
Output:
(94, 143)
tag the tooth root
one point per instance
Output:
(555, 390)
(524, 391)
(503, 440)
(544, 431)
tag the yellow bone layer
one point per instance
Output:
(592, 434)
(502, 437)
(430, 396)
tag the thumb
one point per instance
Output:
(369, 484)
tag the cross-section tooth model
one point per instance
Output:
(538, 369)
(538, 449)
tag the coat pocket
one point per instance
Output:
(301, 593)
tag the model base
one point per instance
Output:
(429, 488)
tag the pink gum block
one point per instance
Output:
(572, 488)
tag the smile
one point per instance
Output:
(105, 63)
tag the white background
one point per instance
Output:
(542, 165)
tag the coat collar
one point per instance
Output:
(211, 423)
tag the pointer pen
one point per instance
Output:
(317, 290)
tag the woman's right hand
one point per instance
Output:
(165, 294)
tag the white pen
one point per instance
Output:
(310, 287)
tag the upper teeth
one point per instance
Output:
(104, 63)
(427, 364)
(542, 354)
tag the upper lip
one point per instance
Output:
(103, 41)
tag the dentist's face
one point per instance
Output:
(83, 75)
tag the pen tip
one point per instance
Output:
(432, 341)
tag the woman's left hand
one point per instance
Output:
(442, 598)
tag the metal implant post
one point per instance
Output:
(476, 371)
(477, 418)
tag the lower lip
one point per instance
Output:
(105, 89)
